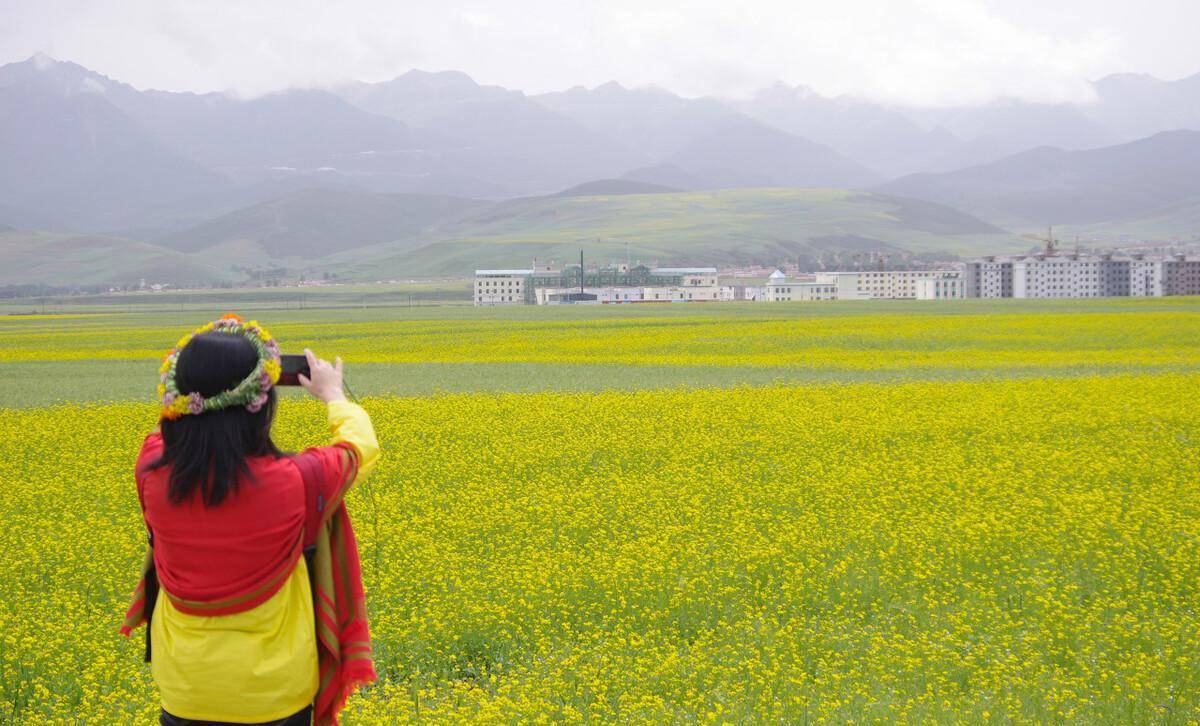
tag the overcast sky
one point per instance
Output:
(933, 52)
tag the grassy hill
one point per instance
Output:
(312, 223)
(711, 227)
(367, 236)
(68, 259)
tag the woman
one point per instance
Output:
(235, 526)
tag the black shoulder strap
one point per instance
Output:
(151, 591)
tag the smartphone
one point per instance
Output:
(290, 368)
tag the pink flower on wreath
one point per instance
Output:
(256, 405)
(168, 399)
(264, 381)
(195, 403)
(272, 348)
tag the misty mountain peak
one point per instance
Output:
(417, 94)
(41, 61)
(1130, 78)
(63, 77)
(435, 79)
(1128, 83)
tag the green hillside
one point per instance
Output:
(313, 223)
(69, 259)
(364, 236)
(711, 227)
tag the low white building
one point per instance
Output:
(780, 289)
(881, 284)
(689, 276)
(617, 295)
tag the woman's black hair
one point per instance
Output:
(208, 452)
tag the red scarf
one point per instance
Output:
(218, 586)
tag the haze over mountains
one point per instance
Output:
(1070, 187)
(315, 173)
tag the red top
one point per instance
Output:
(236, 555)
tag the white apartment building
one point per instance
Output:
(1053, 276)
(988, 277)
(1181, 276)
(1174, 275)
(881, 284)
(1075, 275)
(1146, 278)
(500, 287)
(779, 289)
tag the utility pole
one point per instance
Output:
(581, 274)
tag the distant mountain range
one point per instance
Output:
(318, 173)
(895, 141)
(1070, 187)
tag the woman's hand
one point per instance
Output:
(325, 383)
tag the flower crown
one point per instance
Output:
(251, 392)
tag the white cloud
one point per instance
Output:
(908, 51)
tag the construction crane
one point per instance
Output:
(1049, 240)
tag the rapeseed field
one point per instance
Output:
(1148, 336)
(936, 551)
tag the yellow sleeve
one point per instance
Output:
(350, 424)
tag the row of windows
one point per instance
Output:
(900, 274)
(1073, 265)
